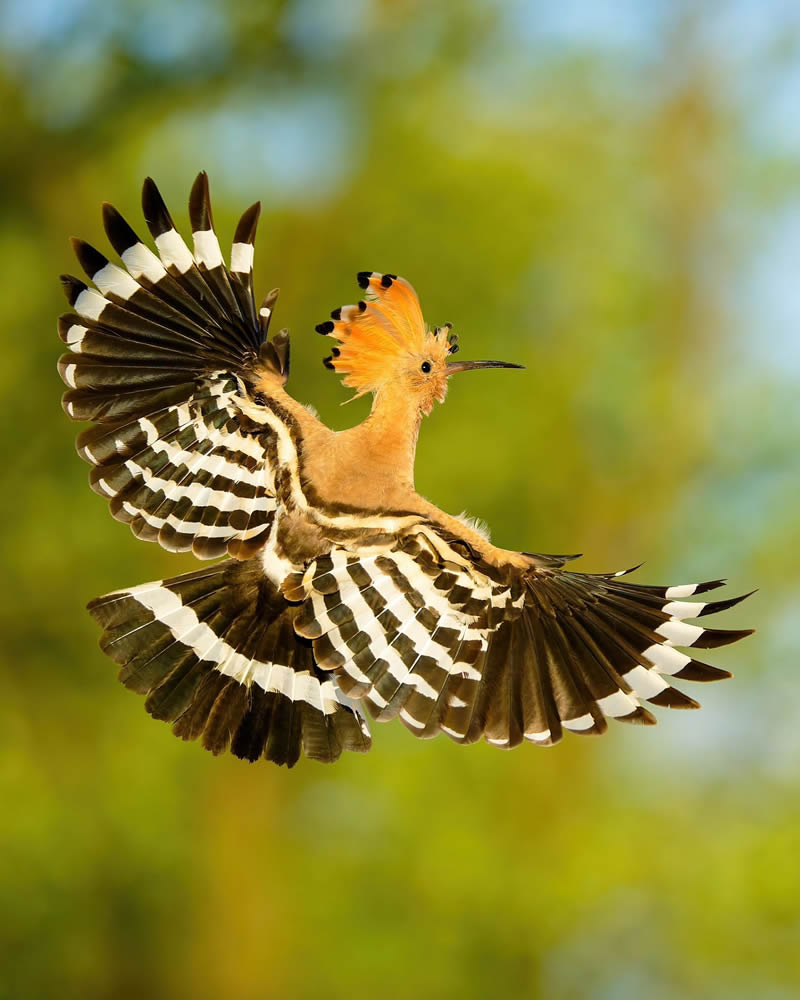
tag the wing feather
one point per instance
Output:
(506, 657)
(163, 356)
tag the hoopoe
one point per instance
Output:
(342, 588)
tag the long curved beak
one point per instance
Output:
(470, 366)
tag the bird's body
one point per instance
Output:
(342, 586)
(369, 467)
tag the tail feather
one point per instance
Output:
(224, 719)
(216, 655)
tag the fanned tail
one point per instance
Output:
(216, 655)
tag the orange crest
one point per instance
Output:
(378, 335)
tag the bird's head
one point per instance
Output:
(383, 343)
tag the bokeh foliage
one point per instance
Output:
(590, 204)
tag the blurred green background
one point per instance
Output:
(607, 193)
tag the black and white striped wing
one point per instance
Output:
(450, 648)
(401, 628)
(160, 357)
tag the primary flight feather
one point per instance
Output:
(342, 589)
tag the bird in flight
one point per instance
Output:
(343, 593)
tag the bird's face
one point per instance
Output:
(384, 344)
(425, 375)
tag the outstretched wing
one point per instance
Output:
(453, 645)
(163, 355)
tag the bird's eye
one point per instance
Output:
(426, 366)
